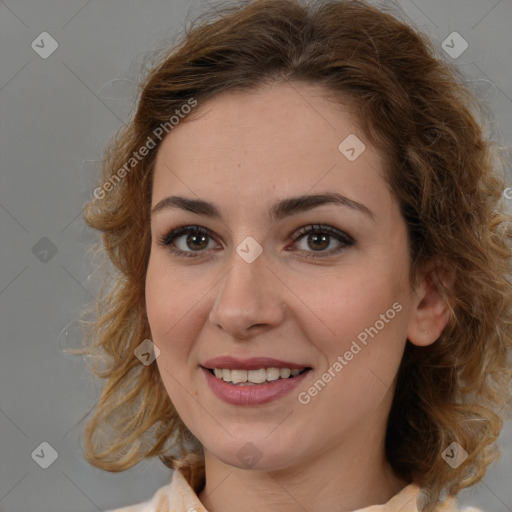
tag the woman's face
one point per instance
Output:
(251, 285)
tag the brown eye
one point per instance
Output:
(318, 241)
(195, 241)
(319, 237)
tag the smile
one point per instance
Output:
(255, 377)
(249, 393)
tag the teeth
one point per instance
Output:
(238, 376)
(272, 374)
(284, 373)
(254, 376)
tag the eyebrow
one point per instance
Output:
(278, 211)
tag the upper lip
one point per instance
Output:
(253, 363)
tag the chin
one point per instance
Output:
(261, 455)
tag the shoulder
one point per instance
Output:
(152, 505)
(178, 495)
(411, 499)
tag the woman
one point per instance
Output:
(311, 309)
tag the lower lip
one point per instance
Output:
(252, 395)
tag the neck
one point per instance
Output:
(344, 477)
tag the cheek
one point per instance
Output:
(362, 336)
(158, 299)
(364, 321)
(351, 301)
(170, 307)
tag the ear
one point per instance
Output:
(430, 314)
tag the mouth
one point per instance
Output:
(253, 381)
(241, 377)
(255, 386)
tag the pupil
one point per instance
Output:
(322, 237)
(321, 241)
(190, 239)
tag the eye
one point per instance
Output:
(319, 237)
(196, 237)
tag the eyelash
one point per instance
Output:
(342, 237)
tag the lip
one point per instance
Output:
(253, 363)
(252, 395)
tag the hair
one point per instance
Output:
(414, 107)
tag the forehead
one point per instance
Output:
(280, 139)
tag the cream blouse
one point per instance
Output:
(178, 496)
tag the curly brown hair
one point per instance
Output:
(413, 107)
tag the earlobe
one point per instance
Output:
(430, 315)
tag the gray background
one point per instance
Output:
(56, 116)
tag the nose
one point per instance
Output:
(248, 299)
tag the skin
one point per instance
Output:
(243, 151)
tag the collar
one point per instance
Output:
(178, 496)
(184, 497)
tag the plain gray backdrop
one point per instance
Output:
(58, 110)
